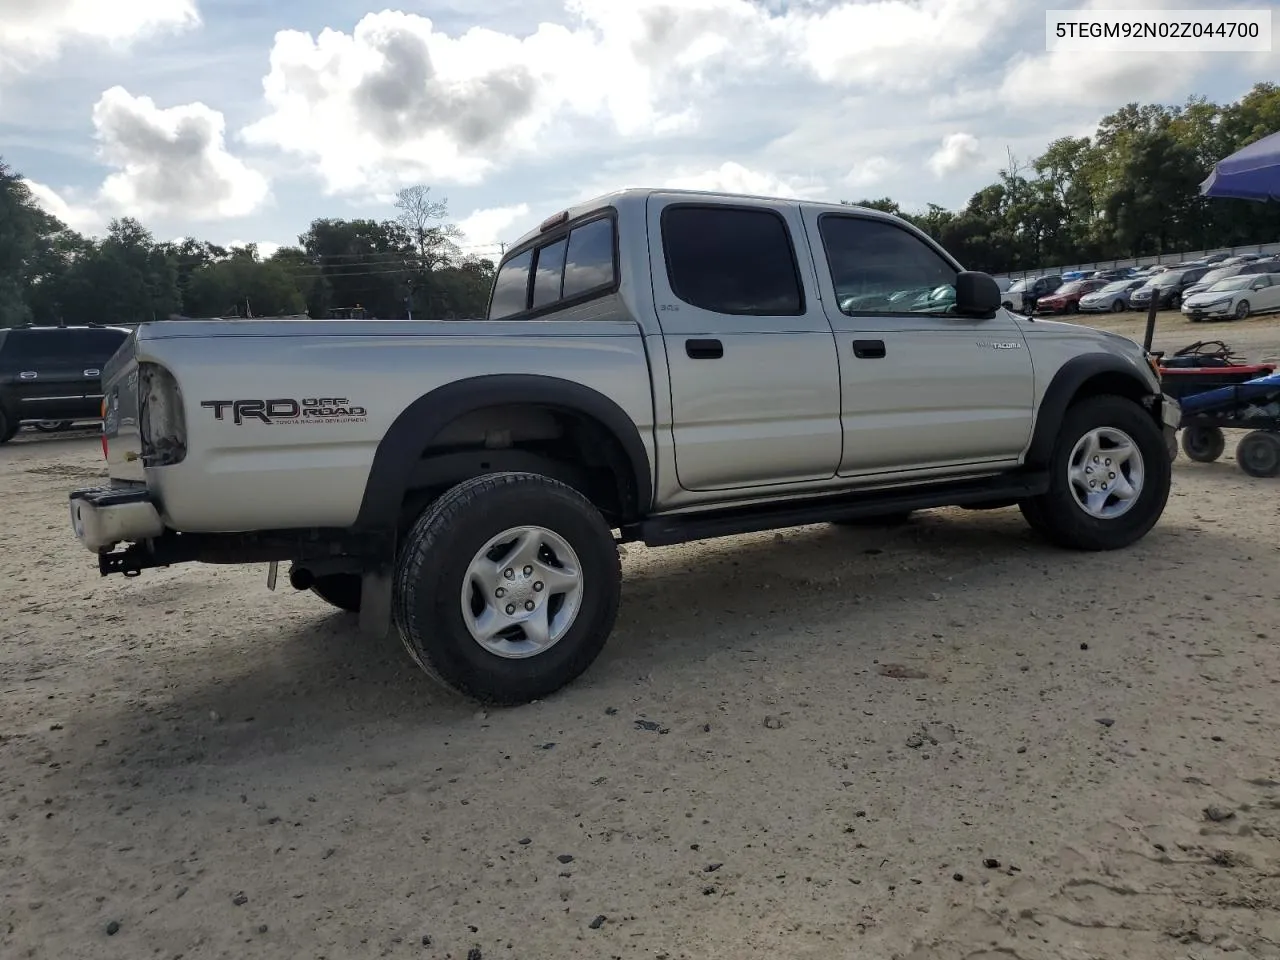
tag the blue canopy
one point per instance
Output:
(1251, 173)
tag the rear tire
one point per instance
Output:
(1131, 458)
(507, 587)
(1259, 454)
(1203, 444)
(341, 590)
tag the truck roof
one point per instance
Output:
(637, 195)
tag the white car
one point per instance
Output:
(1235, 297)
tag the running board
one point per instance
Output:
(661, 531)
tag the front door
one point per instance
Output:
(755, 385)
(922, 389)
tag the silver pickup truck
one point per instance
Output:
(656, 365)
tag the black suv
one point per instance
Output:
(53, 375)
(1021, 297)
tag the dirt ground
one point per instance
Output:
(941, 741)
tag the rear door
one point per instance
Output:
(755, 383)
(45, 385)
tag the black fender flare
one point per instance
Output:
(423, 420)
(1065, 386)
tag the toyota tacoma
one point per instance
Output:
(655, 365)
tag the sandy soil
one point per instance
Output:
(941, 741)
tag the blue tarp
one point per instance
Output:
(1260, 391)
(1251, 173)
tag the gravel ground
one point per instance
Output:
(945, 740)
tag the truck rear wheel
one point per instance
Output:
(1109, 477)
(507, 587)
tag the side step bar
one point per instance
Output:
(676, 528)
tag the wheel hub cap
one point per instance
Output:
(522, 592)
(1106, 473)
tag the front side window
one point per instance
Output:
(878, 267)
(732, 260)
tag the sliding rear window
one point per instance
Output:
(566, 269)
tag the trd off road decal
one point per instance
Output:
(287, 410)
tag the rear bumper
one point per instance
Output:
(101, 517)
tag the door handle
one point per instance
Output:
(868, 349)
(704, 349)
(28, 375)
(93, 373)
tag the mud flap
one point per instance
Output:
(375, 603)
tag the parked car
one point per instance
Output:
(1114, 297)
(1213, 258)
(1066, 299)
(1222, 273)
(1235, 298)
(1021, 297)
(1167, 288)
(690, 376)
(51, 376)
(1119, 273)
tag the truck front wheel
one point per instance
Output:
(507, 587)
(1109, 477)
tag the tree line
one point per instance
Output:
(1132, 189)
(407, 265)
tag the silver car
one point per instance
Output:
(1113, 298)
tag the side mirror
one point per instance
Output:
(977, 295)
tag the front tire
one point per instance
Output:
(507, 587)
(1203, 444)
(1110, 474)
(1118, 307)
(1242, 310)
(1259, 454)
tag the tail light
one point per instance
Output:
(103, 414)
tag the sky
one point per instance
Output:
(239, 121)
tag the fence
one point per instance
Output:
(1272, 249)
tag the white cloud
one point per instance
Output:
(869, 172)
(397, 101)
(84, 219)
(171, 162)
(486, 228)
(265, 247)
(32, 31)
(959, 152)
(731, 177)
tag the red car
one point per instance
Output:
(1066, 299)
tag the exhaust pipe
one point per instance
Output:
(300, 578)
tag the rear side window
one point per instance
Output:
(732, 260)
(572, 267)
(101, 345)
(29, 345)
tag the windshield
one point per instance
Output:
(1115, 286)
(1213, 276)
(1075, 286)
(1232, 283)
(1169, 279)
(1019, 286)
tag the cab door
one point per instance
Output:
(923, 390)
(755, 384)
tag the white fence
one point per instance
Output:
(1272, 249)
